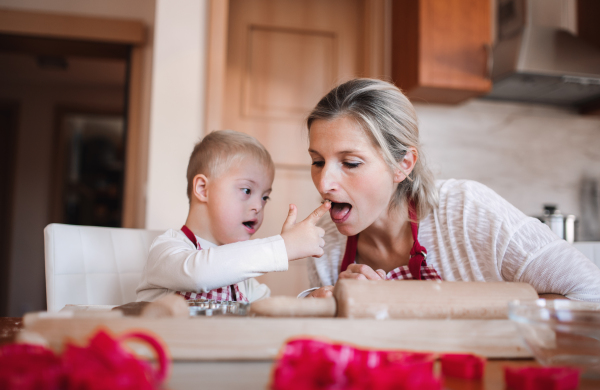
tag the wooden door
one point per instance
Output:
(282, 57)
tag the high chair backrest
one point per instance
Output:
(88, 265)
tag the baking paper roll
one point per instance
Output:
(294, 307)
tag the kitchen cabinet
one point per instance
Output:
(589, 30)
(440, 49)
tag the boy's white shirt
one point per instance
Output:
(174, 264)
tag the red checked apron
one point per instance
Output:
(417, 267)
(229, 293)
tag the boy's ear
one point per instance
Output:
(199, 189)
(407, 164)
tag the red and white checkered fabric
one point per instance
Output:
(403, 273)
(218, 294)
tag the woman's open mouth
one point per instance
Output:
(340, 212)
(250, 226)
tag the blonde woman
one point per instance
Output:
(390, 220)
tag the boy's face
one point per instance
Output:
(236, 200)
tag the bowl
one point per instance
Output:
(560, 332)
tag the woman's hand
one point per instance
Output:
(323, 292)
(362, 272)
(304, 239)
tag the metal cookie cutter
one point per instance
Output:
(210, 307)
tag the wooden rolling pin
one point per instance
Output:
(403, 299)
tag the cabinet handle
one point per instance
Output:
(489, 65)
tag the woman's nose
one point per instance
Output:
(326, 181)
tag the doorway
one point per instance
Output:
(88, 170)
(9, 114)
(75, 80)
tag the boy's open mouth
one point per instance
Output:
(340, 211)
(249, 225)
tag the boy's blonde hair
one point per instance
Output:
(217, 152)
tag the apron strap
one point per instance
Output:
(350, 254)
(418, 253)
(192, 237)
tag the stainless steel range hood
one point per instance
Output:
(542, 64)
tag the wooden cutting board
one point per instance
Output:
(256, 338)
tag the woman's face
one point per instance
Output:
(349, 170)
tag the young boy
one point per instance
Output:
(229, 181)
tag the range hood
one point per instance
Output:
(541, 64)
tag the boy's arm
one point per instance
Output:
(172, 264)
(256, 291)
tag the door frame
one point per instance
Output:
(103, 30)
(376, 44)
(60, 159)
(6, 209)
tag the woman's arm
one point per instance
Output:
(555, 267)
(487, 238)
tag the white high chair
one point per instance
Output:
(88, 265)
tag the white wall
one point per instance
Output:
(529, 154)
(177, 110)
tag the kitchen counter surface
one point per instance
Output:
(227, 375)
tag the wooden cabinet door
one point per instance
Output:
(440, 49)
(282, 57)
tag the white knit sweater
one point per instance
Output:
(476, 235)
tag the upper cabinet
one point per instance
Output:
(441, 49)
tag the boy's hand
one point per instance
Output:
(304, 239)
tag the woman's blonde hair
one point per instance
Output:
(387, 115)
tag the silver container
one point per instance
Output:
(565, 227)
(209, 307)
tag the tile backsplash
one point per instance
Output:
(529, 154)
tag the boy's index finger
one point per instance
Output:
(319, 212)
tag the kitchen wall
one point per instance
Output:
(529, 154)
(178, 101)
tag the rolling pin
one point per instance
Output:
(402, 299)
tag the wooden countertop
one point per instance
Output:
(257, 374)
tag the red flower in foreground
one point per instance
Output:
(314, 365)
(30, 367)
(103, 364)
